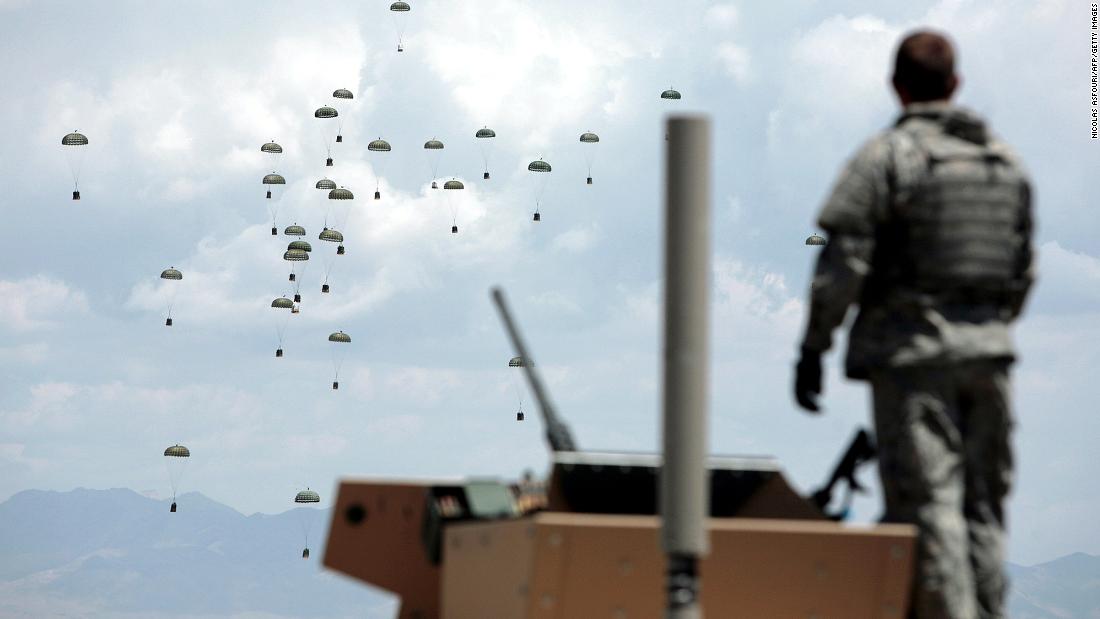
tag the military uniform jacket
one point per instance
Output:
(930, 229)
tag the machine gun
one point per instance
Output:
(557, 433)
(860, 451)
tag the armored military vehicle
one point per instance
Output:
(590, 545)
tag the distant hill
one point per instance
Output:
(1066, 588)
(115, 554)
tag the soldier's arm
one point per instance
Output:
(838, 280)
(851, 215)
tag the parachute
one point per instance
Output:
(591, 139)
(673, 95)
(325, 114)
(325, 183)
(305, 515)
(282, 304)
(814, 239)
(339, 351)
(171, 274)
(274, 183)
(542, 177)
(341, 93)
(434, 150)
(294, 230)
(332, 236)
(484, 139)
(400, 11)
(295, 255)
(339, 206)
(176, 458)
(378, 147)
(75, 144)
(449, 187)
(273, 151)
(518, 362)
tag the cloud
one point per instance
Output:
(734, 59)
(38, 302)
(578, 239)
(1069, 281)
(836, 80)
(20, 354)
(721, 16)
(539, 76)
(15, 454)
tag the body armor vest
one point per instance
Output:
(957, 231)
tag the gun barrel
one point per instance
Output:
(557, 433)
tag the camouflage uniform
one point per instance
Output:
(930, 234)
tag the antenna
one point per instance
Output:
(557, 433)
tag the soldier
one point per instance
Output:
(930, 235)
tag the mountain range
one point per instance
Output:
(116, 554)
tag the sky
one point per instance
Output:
(176, 100)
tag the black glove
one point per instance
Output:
(807, 380)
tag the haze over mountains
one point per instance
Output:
(117, 554)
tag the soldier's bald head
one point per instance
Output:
(924, 69)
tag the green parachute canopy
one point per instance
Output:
(295, 255)
(340, 336)
(670, 94)
(271, 147)
(325, 183)
(589, 138)
(302, 245)
(520, 362)
(342, 93)
(341, 194)
(331, 235)
(307, 496)
(452, 184)
(274, 179)
(433, 145)
(400, 7)
(485, 133)
(171, 273)
(538, 166)
(282, 303)
(294, 230)
(379, 145)
(177, 451)
(325, 112)
(74, 139)
(814, 239)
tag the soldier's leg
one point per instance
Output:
(923, 480)
(987, 422)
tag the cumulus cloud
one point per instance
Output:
(38, 302)
(1069, 281)
(734, 59)
(835, 82)
(543, 73)
(577, 240)
(721, 16)
(24, 353)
